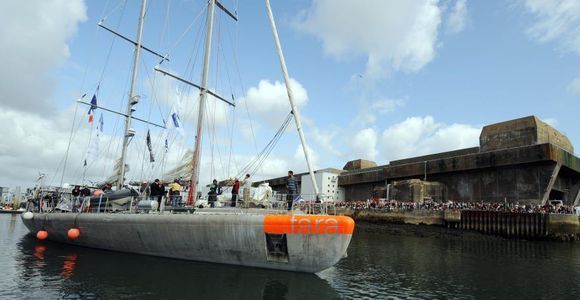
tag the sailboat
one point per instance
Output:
(264, 238)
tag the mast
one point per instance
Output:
(291, 98)
(203, 96)
(133, 99)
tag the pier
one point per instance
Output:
(539, 226)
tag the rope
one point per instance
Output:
(185, 32)
(113, 10)
(69, 142)
(258, 161)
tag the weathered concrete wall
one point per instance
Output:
(416, 217)
(359, 164)
(525, 131)
(429, 157)
(508, 224)
(562, 224)
(416, 190)
(517, 174)
(525, 184)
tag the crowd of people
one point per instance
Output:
(395, 205)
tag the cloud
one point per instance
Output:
(368, 112)
(269, 101)
(324, 138)
(391, 34)
(574, 86)
(422, 135)
(364, 144)
(555, 21)
(34, 37)
(457, 20)
(300, 160)
(37, 144)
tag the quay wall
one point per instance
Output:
(506, 224)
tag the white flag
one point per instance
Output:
(174, 121)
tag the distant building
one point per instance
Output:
(327, 181)
(523, 160)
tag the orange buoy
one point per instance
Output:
(73, 233)
(42, 234)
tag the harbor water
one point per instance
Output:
(384, 262)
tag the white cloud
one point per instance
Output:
(33, 39)
(299, 164)
(38, 144)
(324, 138)
(457, 20)
(422, 135)
(364, 144)
(269, 101)
(393, 35)
(369, 112)
(555, 21)
(574, 86)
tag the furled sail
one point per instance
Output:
(182, 170)
(117, 172)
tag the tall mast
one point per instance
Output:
(291, 97)
(202, 98)
(133, 99)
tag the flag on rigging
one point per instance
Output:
(92, 108)
(151, 157)
(101, 123)
(174, 121)
(94, 140)
(166, 146)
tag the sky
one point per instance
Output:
(373, 79)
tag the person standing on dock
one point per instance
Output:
(235, 190)
(292, 189)
(246, 184)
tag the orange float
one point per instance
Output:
(42, 234)
(73, 233)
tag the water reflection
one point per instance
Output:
(440, 265)
(51, 270)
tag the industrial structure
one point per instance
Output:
(522, 161)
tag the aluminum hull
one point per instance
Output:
(218, 237)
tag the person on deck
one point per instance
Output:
(174, 192)
(157, 191)
(246, 184)
(76, 192)
(85, 192)
(213, 192)
(292, 189)
(108, 188)
(235, 190)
